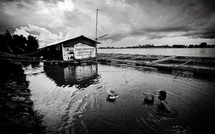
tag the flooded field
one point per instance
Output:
(74, 100)
(192, 52)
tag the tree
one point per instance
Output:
(2, 42)
(32, 44)
(19, 41)
(8, 42)
(203, 45)
(18, 44)
(190, 46)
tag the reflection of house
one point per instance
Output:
(82, 76)
(78, 48)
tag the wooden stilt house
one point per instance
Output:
(77, 49)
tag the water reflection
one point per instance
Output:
(67, 109)
(80, 76)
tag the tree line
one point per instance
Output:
(201, 45)
(18, 44)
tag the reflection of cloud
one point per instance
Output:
(119, 18)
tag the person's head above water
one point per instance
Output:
(162, 95)
(112, 95)
(111, 92)
(148, 98)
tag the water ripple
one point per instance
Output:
(84, 109)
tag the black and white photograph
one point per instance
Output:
(107, 66)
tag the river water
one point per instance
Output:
(193, 52)
(74, 100)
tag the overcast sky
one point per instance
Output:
(127, 22)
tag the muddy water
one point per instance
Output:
(73, 100)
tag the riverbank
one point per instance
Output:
(17, 114)
(179, 65)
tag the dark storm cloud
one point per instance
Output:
(205, 33)
(168, 29)
(196, 17)
(7, 20)
(3, 2)
(29, 1)
(116, 37)
(150, 19)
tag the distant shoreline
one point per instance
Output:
(151, 48)
(201, 45)
(211, 46)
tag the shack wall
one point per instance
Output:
(73, 49)
(53, 52)
(83, 51)
(80, 48)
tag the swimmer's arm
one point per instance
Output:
(113, 97)
(166, 106)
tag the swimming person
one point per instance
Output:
(112, 95)
(162, 104)
(148, 98)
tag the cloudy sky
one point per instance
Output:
(127, 22)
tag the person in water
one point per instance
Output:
(162, 104)
(112, 95)
(148, 98)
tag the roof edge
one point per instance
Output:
(61, 41)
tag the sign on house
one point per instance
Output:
(68, 53)
(82, 51)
